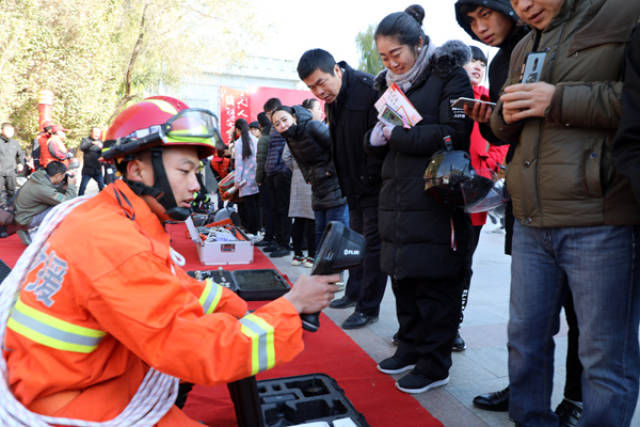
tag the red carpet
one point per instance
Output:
(329, 351)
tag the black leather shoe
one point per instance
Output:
(264, 242)
(270, 248)
(280, 252)
(497, 402)
(358, 320)
(458, 343)
(569, 413)
(343, 302)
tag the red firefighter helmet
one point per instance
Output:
(151, 125)
(161, 121)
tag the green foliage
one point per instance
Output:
(370, 61)
(99, 55)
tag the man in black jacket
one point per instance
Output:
(626, 147)
(493, 22)
(349, 96)
(91, 168)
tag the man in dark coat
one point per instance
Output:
(91, 168)
(349, 96)
(626, 147)
(11, 161)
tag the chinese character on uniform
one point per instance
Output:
(49, 279)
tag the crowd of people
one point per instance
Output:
(558, 123)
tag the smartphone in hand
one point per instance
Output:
(462, 101)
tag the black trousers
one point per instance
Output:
(279, 187)
(573, 382)
(249, 211)
(303, 228)
(468, 271)
(367, 282)
(428, 311)
(8, 184)
(266, 221)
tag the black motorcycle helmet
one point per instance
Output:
(448, 173)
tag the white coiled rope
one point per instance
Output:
(156, 394)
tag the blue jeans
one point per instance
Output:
(85, 180)
(325, 216)
(602, 267)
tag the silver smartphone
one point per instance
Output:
(533, 67)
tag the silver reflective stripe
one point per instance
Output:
(263, 356)
(52, 332)
(214, 296)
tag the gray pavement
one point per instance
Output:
(482, 367)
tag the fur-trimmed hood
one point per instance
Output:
(442, 62)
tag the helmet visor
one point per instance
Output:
(191, 125)
(483, 196)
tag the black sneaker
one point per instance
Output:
(395, 365)
(458, 343)
(3, 232)
(415, 383)
(280, 252)
(569, 413)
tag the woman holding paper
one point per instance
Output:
(424, 241)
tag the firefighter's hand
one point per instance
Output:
(311, 294)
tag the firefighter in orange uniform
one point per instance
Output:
(104, 300)
(52, 145)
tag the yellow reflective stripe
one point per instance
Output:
(263, 354)
(164, 106)
(210, 296)
(48, 341)
(255, 342)
(57, 323)
(51, 331)
(178, 139)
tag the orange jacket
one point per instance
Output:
(52, 148)
(107, 268)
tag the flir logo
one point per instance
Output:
(351, 252)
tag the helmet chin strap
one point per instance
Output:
(161, 190)
(161, 183)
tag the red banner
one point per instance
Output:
(238, 104)
(234, 105)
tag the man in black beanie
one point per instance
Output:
(493, 22)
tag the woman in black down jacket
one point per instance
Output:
(310, 144)
(423, 240)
